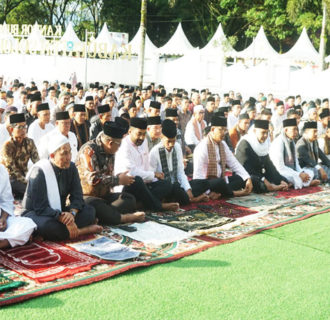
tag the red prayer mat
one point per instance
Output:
(46, 261)
(297, 192)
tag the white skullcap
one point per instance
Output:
(198, 108)
(69, 106)
(57, 141)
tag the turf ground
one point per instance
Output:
(282, 273)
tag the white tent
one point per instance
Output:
(36, 40)
(219, 42)
(104, 37)
(303, 50)
(5, 34)
(260, 48)
(69, 40)
(135, 43)
(177, 45)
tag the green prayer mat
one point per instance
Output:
(190, 220)
(7, 284)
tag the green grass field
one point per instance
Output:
(282, 273)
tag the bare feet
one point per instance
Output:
(214, 195)
(94, 228)
(170, 206)
(138, 216)
(314, 183)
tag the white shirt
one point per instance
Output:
(47, 139)
(231, 121)
(52, 102)
(189, 135)
(201, 160)
(134, 159)
(320, 129)
(78, 100)
(155, 164)
(4, 134)
(321, 145)
(6, 196)
(35, 132)
(277, 122)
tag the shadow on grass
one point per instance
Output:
(43, 302)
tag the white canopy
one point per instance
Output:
(36, 40)
(104, 37)
(135, 43)
(260, 48)
(69, 38)
(303, 50)
(177, 45)
(4, 33)
(219, 42)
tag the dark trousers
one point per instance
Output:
(219, 185)
(150, 194)
(199, 186)
(51, 229)
(109, 209)
(179, 194)
(18, 188)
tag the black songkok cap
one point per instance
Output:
(280, 103)
(42, 107)
(79, 108)
(236, 102)
(153, 121)
(155, 104)
(113, 130)
(261, 124)
(252, 100)
(310, 125)
(226, 95)
(103, 109)
(62, 115)
(289, 122)
(328, 124)
(100, 88)
(298, 106)
(51, 88)
(243, 116)
(89, 98)
(170, 112)
(140, 123)
(34, 88)
(223, 109)
(324, 113)
(218, 121)
(36, 97)
(16, 118)
(122, 123)
(169, 129)
(68, 85)
(210, 99)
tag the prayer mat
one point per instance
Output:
(46, 261)
(7, 284)
(221, 207)
(299, 192)
(190, 220)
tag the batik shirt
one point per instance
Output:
(15, 157)
(95, 169)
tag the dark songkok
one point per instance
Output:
(155, 104)
(328, 124)
(261, 124)
(212, 99)
(140, 123)
(298, 106)
(16, 118)
(68, 85)
(170, 112)
(36, 97)
(113, 130)
(280, 103)
(218, 121)
(34, 88)
(324, 113)
(223, 109)
(226, 95)
(123, 123)
(51, 88)
(79, 108)
(169, 129)
(310, 125)
(252, 100)
(289, 122)
(153, 121)
(42, 107)
(89, 98)
(103, 109)
(236, 102)
(62, 115)
(243, 116)
(10, 94)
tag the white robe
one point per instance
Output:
(19, 229)
(35, 132)
(4, 134)
(232, 120)
(190, 136)
(276, 153)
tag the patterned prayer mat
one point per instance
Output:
(299, 192)
(190, 220)
(275, 213)
(7, 284)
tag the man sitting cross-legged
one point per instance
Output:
(50, 183)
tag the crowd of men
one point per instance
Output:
(85, 157)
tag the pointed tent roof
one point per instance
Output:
(5, 34)
(136, 41)
(70, 35)
(260, 48)
(36, 38)
(303, 50)
(104, 37)
(178, 44)
(218, 42)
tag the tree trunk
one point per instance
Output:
(323, 38)
(143, 25)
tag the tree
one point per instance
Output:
(6, 6)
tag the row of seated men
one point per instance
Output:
(63, 199)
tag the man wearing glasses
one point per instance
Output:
(16, 153)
